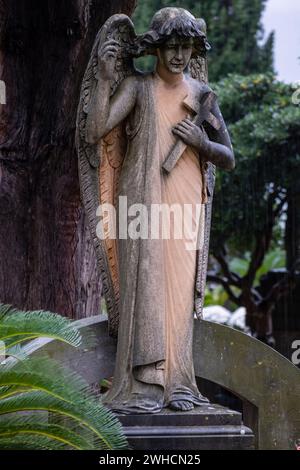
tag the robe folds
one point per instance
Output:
(154, 362)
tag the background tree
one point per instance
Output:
(253, 202)
(47, 260)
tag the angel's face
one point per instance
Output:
(175, 54)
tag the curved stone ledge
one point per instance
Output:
(248, 368)
(256, 373)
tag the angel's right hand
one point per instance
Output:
(107, 56)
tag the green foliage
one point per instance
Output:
(275, 259)
(265, 130)
(215, 296)
(234, 31)
(16, 328)
(39, 384)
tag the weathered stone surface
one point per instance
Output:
(130, 126)
(204, 428)
(261, 377)
(258, 375)
(206, 415)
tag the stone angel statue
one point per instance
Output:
(151, 140)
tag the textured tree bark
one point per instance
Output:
(47, 259)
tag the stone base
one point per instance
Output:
(208, 427)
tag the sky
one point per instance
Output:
(283, 16)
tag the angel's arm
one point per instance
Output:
(217, 148)
(105, 113)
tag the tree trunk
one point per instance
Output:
(47, 260)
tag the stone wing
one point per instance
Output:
(100, 164)
(199, 71)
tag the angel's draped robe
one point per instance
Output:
(154, 363)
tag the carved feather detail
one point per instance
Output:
(100, 164)
(199, 71)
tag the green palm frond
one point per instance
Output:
(88, 412)
(44, 405)
(17, 326)
(35, 428)
(21, 442)
(30, 375)
(5, 310)
(15, 352)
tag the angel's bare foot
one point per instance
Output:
(181, 405)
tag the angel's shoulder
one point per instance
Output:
(139, 82)
(198, 88)
(132, 83)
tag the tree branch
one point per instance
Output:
(234, 278)
(224, 282)
(264, 238)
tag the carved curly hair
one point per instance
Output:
(173, 21)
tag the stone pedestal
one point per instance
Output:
(209, 427)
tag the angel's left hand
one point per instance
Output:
(191, 134)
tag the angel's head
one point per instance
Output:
(175, 54)
(175, 35)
